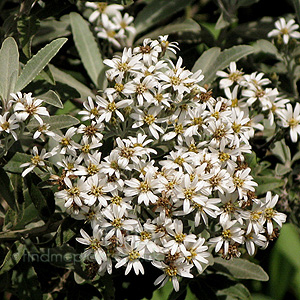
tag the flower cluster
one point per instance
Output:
(248, 91)
(110, 24)
(285, 30)
(157, 168)
(17, 113)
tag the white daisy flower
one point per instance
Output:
(285, 29)
(95, 245)
(291, 119)
(233, 76)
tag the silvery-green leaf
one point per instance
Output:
(38, 62)
(220, 61)
(241, 269)
(66, 78)
(206, 60)
(157, 11)
(179, 27)
(52, 98)
(9, 67)
(87, 48)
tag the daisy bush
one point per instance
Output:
(150, 158)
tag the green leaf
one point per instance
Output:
(56, 122)
(66, 231)
(260, 297)
(87, 48)
(38, 199)
(157, 11)
(47, 75)
(206, 60)
(241, 269)
(64, 77)
(267, 183)
(52, 98)
(296, 4)
(62, 121)
(13, 256)
(38, 62)
(30, 215)
(281, 169)
(281, 274)
(13, 165)
(238, 291)
(51, 29)
(6, 189)
(266, 47)
(282, 151)
(213, 60)
(9, 67)
(296, 284)
(25, 283)
(27, 28)
(288, 244)
(179, 28)
(234, 53)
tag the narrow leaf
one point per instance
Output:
(12, 257)
(238, 291)
(157, 11)
(206, 60)
(39, 201)
(62, 121)
(9, 67)
(27, 28)
(223, 60)
(5, 189)
(38, 62)
(65, 78)
(288, 244)
(296, 4)
(87, 47)
(52, 98)
(282, 151)
(13, 166)
(179, 28)
(281, 275)
(241, 269)
(267, 47)
(267, 183)
(233, 54)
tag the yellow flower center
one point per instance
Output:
(149, 119)
(133, 255)
(226, 234)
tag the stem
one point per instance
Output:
(290, 72)
(27, 233)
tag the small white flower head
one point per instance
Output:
(172, 271)
(8, 124)
(102, 8)
(42, 130)
(270, 214)
(95, 245)
(285, 29)
(123, 23)
(30, 107)
(291, 119)
(109, 31)
(37, 160)
(149, 119)
(166, 45)
(233, 76)
(231, 233)
(131, 257)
